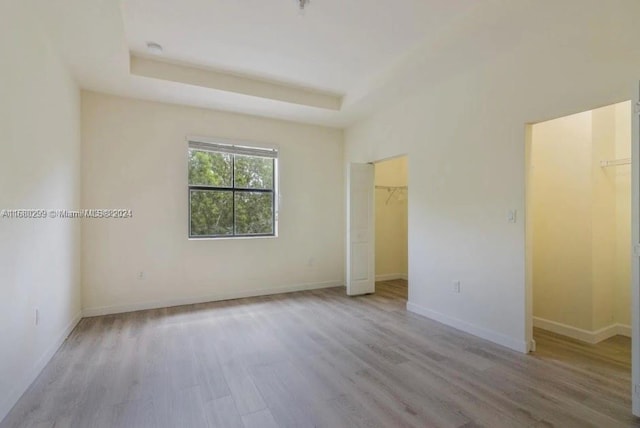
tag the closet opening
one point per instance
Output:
(579, 240)
(391, 228)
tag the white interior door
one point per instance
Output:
(360, 230)
(635, 263)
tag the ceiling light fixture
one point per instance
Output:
(303, 3)
(154, 48)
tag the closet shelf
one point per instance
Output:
(392, 187)
(615, 162)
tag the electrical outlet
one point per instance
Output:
(141, 275)
(311, 261)
(456, 286)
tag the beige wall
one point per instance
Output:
(581, 219)
(391, 220)
(603, 218)
(562, 220)
(39, 168)
(134, 156)
(622, 176)
(459, 111)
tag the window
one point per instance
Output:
(232, 190)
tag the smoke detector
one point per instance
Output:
(154, 48)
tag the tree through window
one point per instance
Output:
(232, 190)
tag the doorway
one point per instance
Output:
(391, 227)
(579, 239)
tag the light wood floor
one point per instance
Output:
(321, 359)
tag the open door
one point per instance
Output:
(635, 262)
(360, 230)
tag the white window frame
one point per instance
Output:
(236, 147)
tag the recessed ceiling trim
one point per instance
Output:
(225, 81)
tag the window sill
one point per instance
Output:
(233, 238)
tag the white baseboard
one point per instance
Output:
(624, 330)
(132, 307)
(484, 333)
(587, 336)
(37, 368)
(391, 276)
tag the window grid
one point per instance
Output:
(233, 190)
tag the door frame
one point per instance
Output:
(635, 252)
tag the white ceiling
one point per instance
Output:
(343, 47)
(333, 45)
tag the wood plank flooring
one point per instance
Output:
(318, 359)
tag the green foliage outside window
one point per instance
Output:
(233, 194)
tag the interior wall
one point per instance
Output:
(622, 178)
(562, 212)
(464, 132)
(604, 217)
(39, 169)
(391, 220)
(581, 222)
(135, 156)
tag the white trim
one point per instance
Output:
(233, 149)
(490, 335)
(635, 263)
(391, 276)
(233, 238)
(232, 142)
(587, 336)
(132, 307)
(37, 368)
(624, 330)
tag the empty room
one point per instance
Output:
(319, 213)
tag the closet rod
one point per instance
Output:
(392, 187)
(615, 162)
(391, 190)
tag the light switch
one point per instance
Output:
(512, 217)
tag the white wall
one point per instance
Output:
(391, 220)
(134, 156)
(39, 168)
(463, 128)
